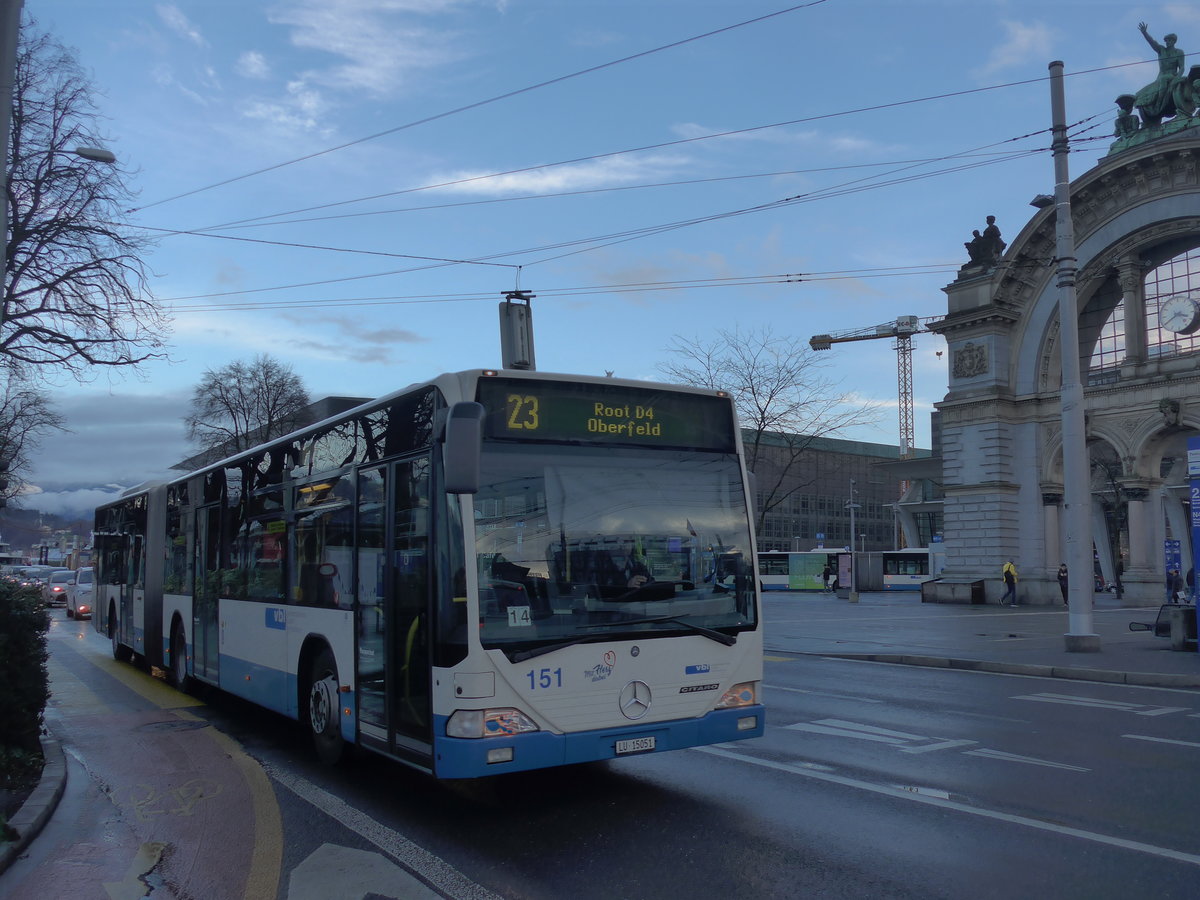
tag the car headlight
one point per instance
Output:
(481, 723)
(744, 694)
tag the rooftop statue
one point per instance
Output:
(985, 249)
(1172, 96)
(1157, 99)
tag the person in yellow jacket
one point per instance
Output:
(1009, 572)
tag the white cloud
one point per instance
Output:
(598, 173)
(252, 64)
(1021, 43)
(172, 16)
(380, 42)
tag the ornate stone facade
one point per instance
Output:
(1002, 462)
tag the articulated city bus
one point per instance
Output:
(489, 572)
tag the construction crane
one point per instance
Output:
(902, 330)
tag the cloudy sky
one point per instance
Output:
(358, 181)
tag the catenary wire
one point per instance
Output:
(479, 103)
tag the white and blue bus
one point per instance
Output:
(907, 570)
(796, 570)
(490, 572)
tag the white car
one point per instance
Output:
(79, 594)
(54, 588)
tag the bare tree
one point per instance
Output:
(245, 403)
(25, 417)
(75, 293)
(784, 400)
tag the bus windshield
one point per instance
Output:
(580, 542)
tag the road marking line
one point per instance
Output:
(792, 690)
(1031, 760)
(942, 803)
(1158, 740)
(943, 745)
(431, 869)
(854, 730)
(1138, 709)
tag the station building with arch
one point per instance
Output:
(1136, 221)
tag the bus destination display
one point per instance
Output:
(602, 414)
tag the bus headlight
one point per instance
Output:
(481, 723)
(744, 694)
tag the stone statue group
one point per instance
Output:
(1172, 93)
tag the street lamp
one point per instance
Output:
(96, 154)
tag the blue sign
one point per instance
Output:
(276, 618)
(1193, 449)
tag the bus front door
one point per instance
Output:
(393, 612)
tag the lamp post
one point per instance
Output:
(852, 506)
(1077, 495)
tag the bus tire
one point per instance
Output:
(120, 652)
(323, 708)
(179, 674)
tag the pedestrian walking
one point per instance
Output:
(1009, 573)
(826, 573)
(1062, 582)
(1174, 585)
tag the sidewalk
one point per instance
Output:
(897, 627)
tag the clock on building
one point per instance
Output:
(1180, 314)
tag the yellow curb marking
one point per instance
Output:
(266, 860)
(133, 888)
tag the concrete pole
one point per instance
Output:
(853, 596)
(1077, 499)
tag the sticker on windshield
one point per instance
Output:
(519, 616)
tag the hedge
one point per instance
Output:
(24, 621)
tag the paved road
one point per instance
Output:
(873, 780)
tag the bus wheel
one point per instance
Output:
(323, 709)
(120, 652)
(179, 675)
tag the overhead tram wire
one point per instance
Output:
(576, 193)
(299, 246)
(608, 240)
(597, 242)
(663, 145)
(480, 103)
(584, 291)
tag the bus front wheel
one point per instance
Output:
(323, 708)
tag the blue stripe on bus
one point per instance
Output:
(467, 758)
(259, 684)
(276, 691)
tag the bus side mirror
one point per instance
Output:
(462, 447)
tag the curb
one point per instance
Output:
(35, 812)
(1143, 679)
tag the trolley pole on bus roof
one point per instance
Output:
(516, 331)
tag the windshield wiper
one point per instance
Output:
(718, 636)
